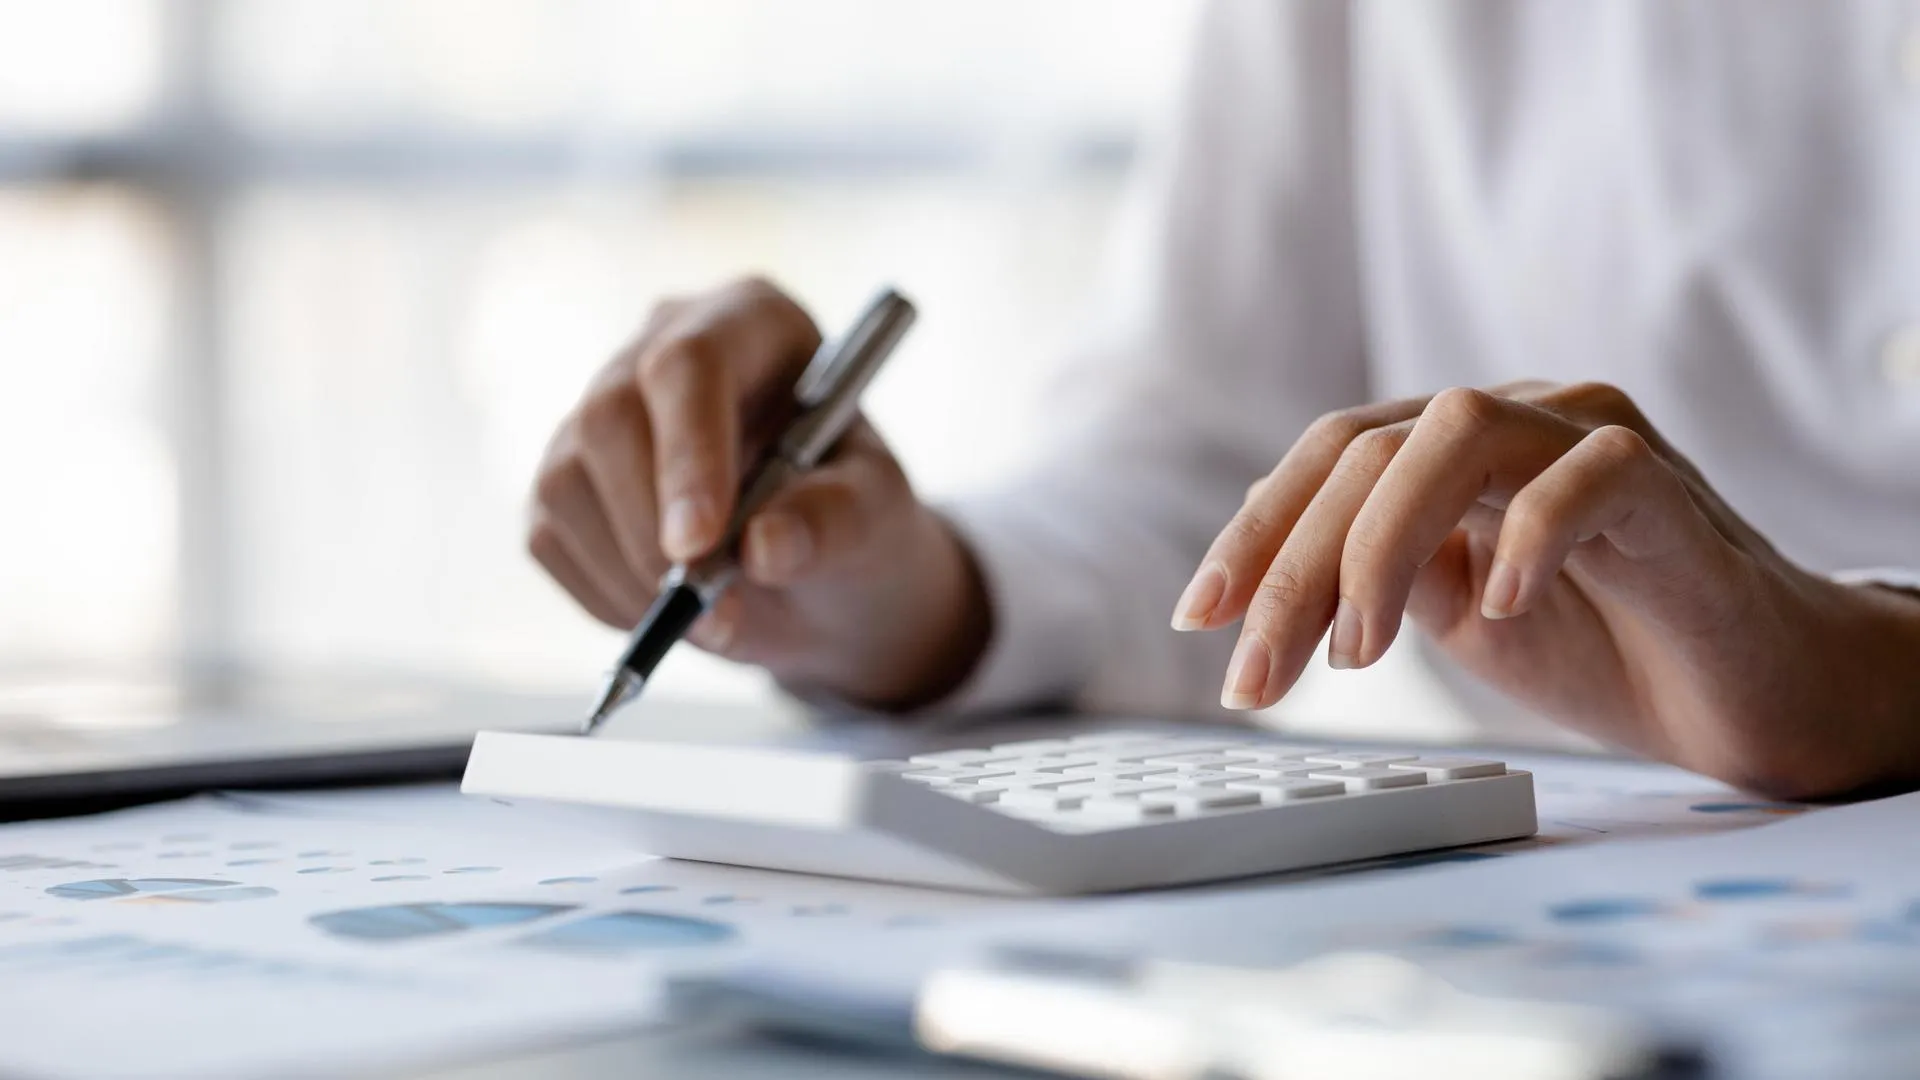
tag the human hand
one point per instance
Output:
(849, 583)
(1553, 543)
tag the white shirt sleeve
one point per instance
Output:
(1235, 320)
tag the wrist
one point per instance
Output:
(1874, 687)
(916, 632)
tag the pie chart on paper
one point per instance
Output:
(161, 890)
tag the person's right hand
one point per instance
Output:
(850, 585)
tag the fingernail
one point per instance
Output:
(1247, 674)
(684, 531)
(1200, 598)
(1343, 647)
(1503, 591)
(781, 544)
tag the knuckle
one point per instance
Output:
(1332, 432)
(1620, 444)
(1366, 549)
(1531, 515)
(755, 286)
(543, 541)
(557, 483)
(1282, 588)
(1602, 399)
(1465, 407)
(665, 310)
(1369, 454)
(609, 412)
(1251, 528)
(679, 357)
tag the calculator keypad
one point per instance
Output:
(1116, 779)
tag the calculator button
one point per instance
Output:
(1105, 739)
(1276, 768)
(1202, 777)
(1150, 750)
(970, 793)
(1036, 799)
(1116, 787)
(1037, 781)
(1198, 761)
(1051, 762)
(954, 776)
(1453, 768)
(958, 759)
(1371, 777)
(1117, 809)
(1128, 771)
(1200, 800)
(1275, 752)
(1031, 746)
(1275, 789)
(1358, 758)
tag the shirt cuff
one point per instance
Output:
(1041, 643)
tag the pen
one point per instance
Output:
(827, 398)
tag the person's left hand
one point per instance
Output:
(1553, 543)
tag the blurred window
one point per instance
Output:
(292, 291)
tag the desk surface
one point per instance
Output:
(1578, 815)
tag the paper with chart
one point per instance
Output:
(218, 937)
(324, 932)
(1787, 951)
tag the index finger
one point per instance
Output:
(720, 360)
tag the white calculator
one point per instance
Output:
(1090, 813)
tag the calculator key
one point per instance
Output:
(1275, 768)
(1198, 761)
(1275, 751)
(1453, 768)
(1119, 771)
(1116, 787)
(1201, 777)
(958, 759)
(1200, 800)
(1026, 781)
(1116, 809)
(1104, 739)
(954, 776)
(1035, 799)
(1276, 789)
(1031, 746)
(1371, 777)
(1152, 750)
(1052, 762)
(969, 793)
(1356, 758)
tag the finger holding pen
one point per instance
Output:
(646, 471)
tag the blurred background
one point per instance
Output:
(293, 291)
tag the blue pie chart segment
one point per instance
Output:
(195, 890)
(1607, 909)
(629, 931)
(406, 922)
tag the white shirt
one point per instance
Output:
(1713, 205)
